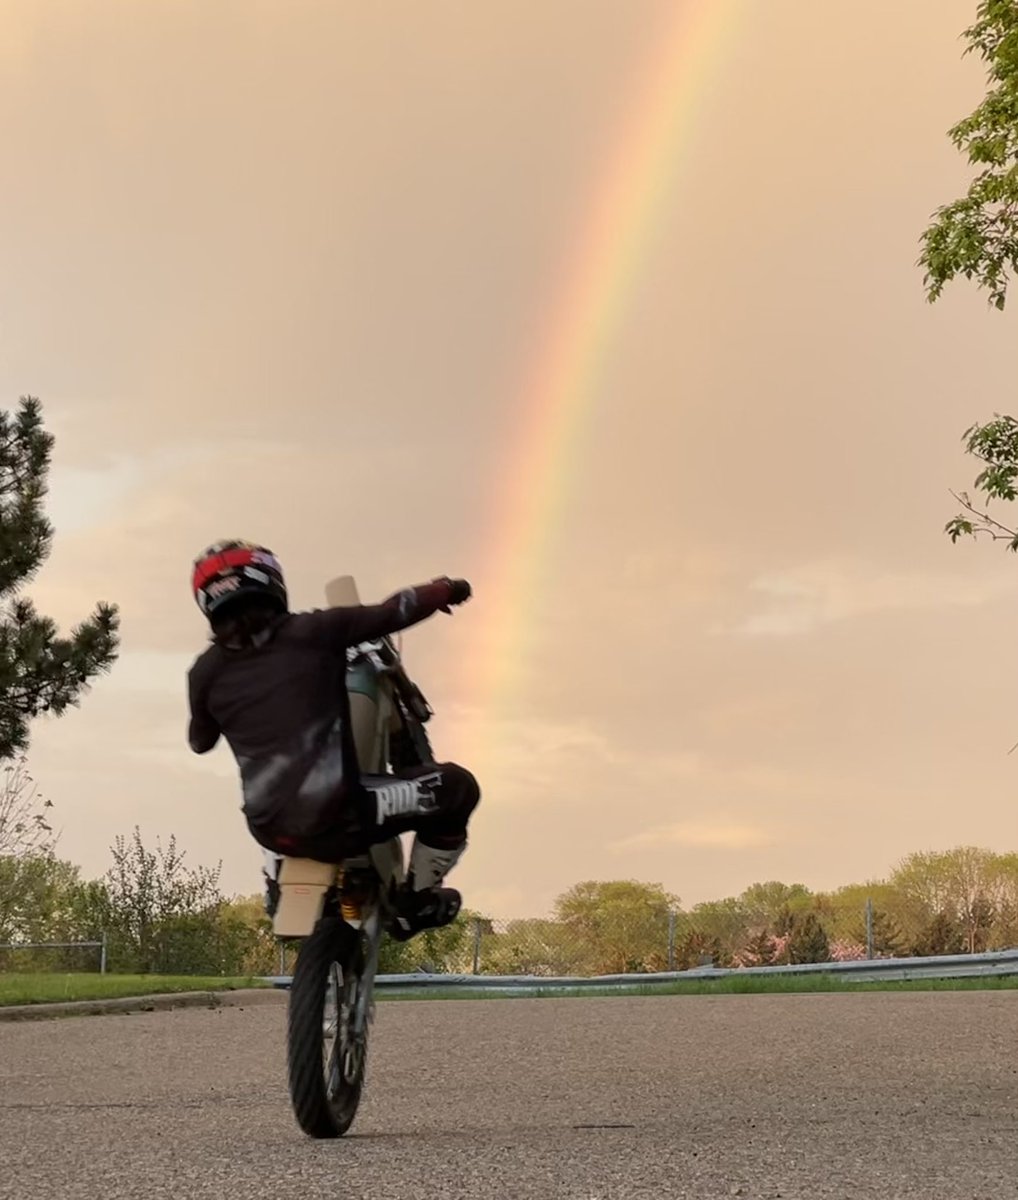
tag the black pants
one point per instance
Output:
(435, 801)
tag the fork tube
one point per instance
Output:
(366, 984)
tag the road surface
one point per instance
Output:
(799, 1097)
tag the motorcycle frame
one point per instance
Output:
(307, 886)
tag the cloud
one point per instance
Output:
(704, 834)
(803, 599)
(81, 498)
(508, 902)
(157, 671)
(528, 756)
(690, 575)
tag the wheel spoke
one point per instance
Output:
(350, 1043)
(332, 1026)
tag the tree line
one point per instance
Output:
(963, 900)
(155, 913)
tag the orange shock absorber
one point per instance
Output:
(351, 895)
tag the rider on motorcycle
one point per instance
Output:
(273, 684)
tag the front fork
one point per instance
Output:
(361, 909)
(366, 905)
(364, 1005)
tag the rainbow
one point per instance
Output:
(560, 387)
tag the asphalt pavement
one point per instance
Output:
(874, 1095)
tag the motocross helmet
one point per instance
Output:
(232, 570)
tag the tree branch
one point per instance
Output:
(990, 524)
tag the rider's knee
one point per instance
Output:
(462, 784)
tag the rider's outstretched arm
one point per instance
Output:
(346, 626)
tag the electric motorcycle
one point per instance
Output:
(339, 911)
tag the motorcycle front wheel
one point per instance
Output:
(325, 1059)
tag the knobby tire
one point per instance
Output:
(331, 942)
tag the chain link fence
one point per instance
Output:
(42, 957)
(605, 943)
(539, 947)
(471, 945)
(542, 947)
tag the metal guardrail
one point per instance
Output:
(867, 970)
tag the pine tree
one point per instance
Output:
(698, 949)
(760, 949)
(784, 922)
(808, 943)
(941, 936)
(887, 939)
(39, 671)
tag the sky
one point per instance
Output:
(299, 272)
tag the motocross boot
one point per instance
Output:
(426, 908)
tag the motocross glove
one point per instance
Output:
(459, 592)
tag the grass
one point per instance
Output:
(48, 988)
(731, 986)
(16, 988)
